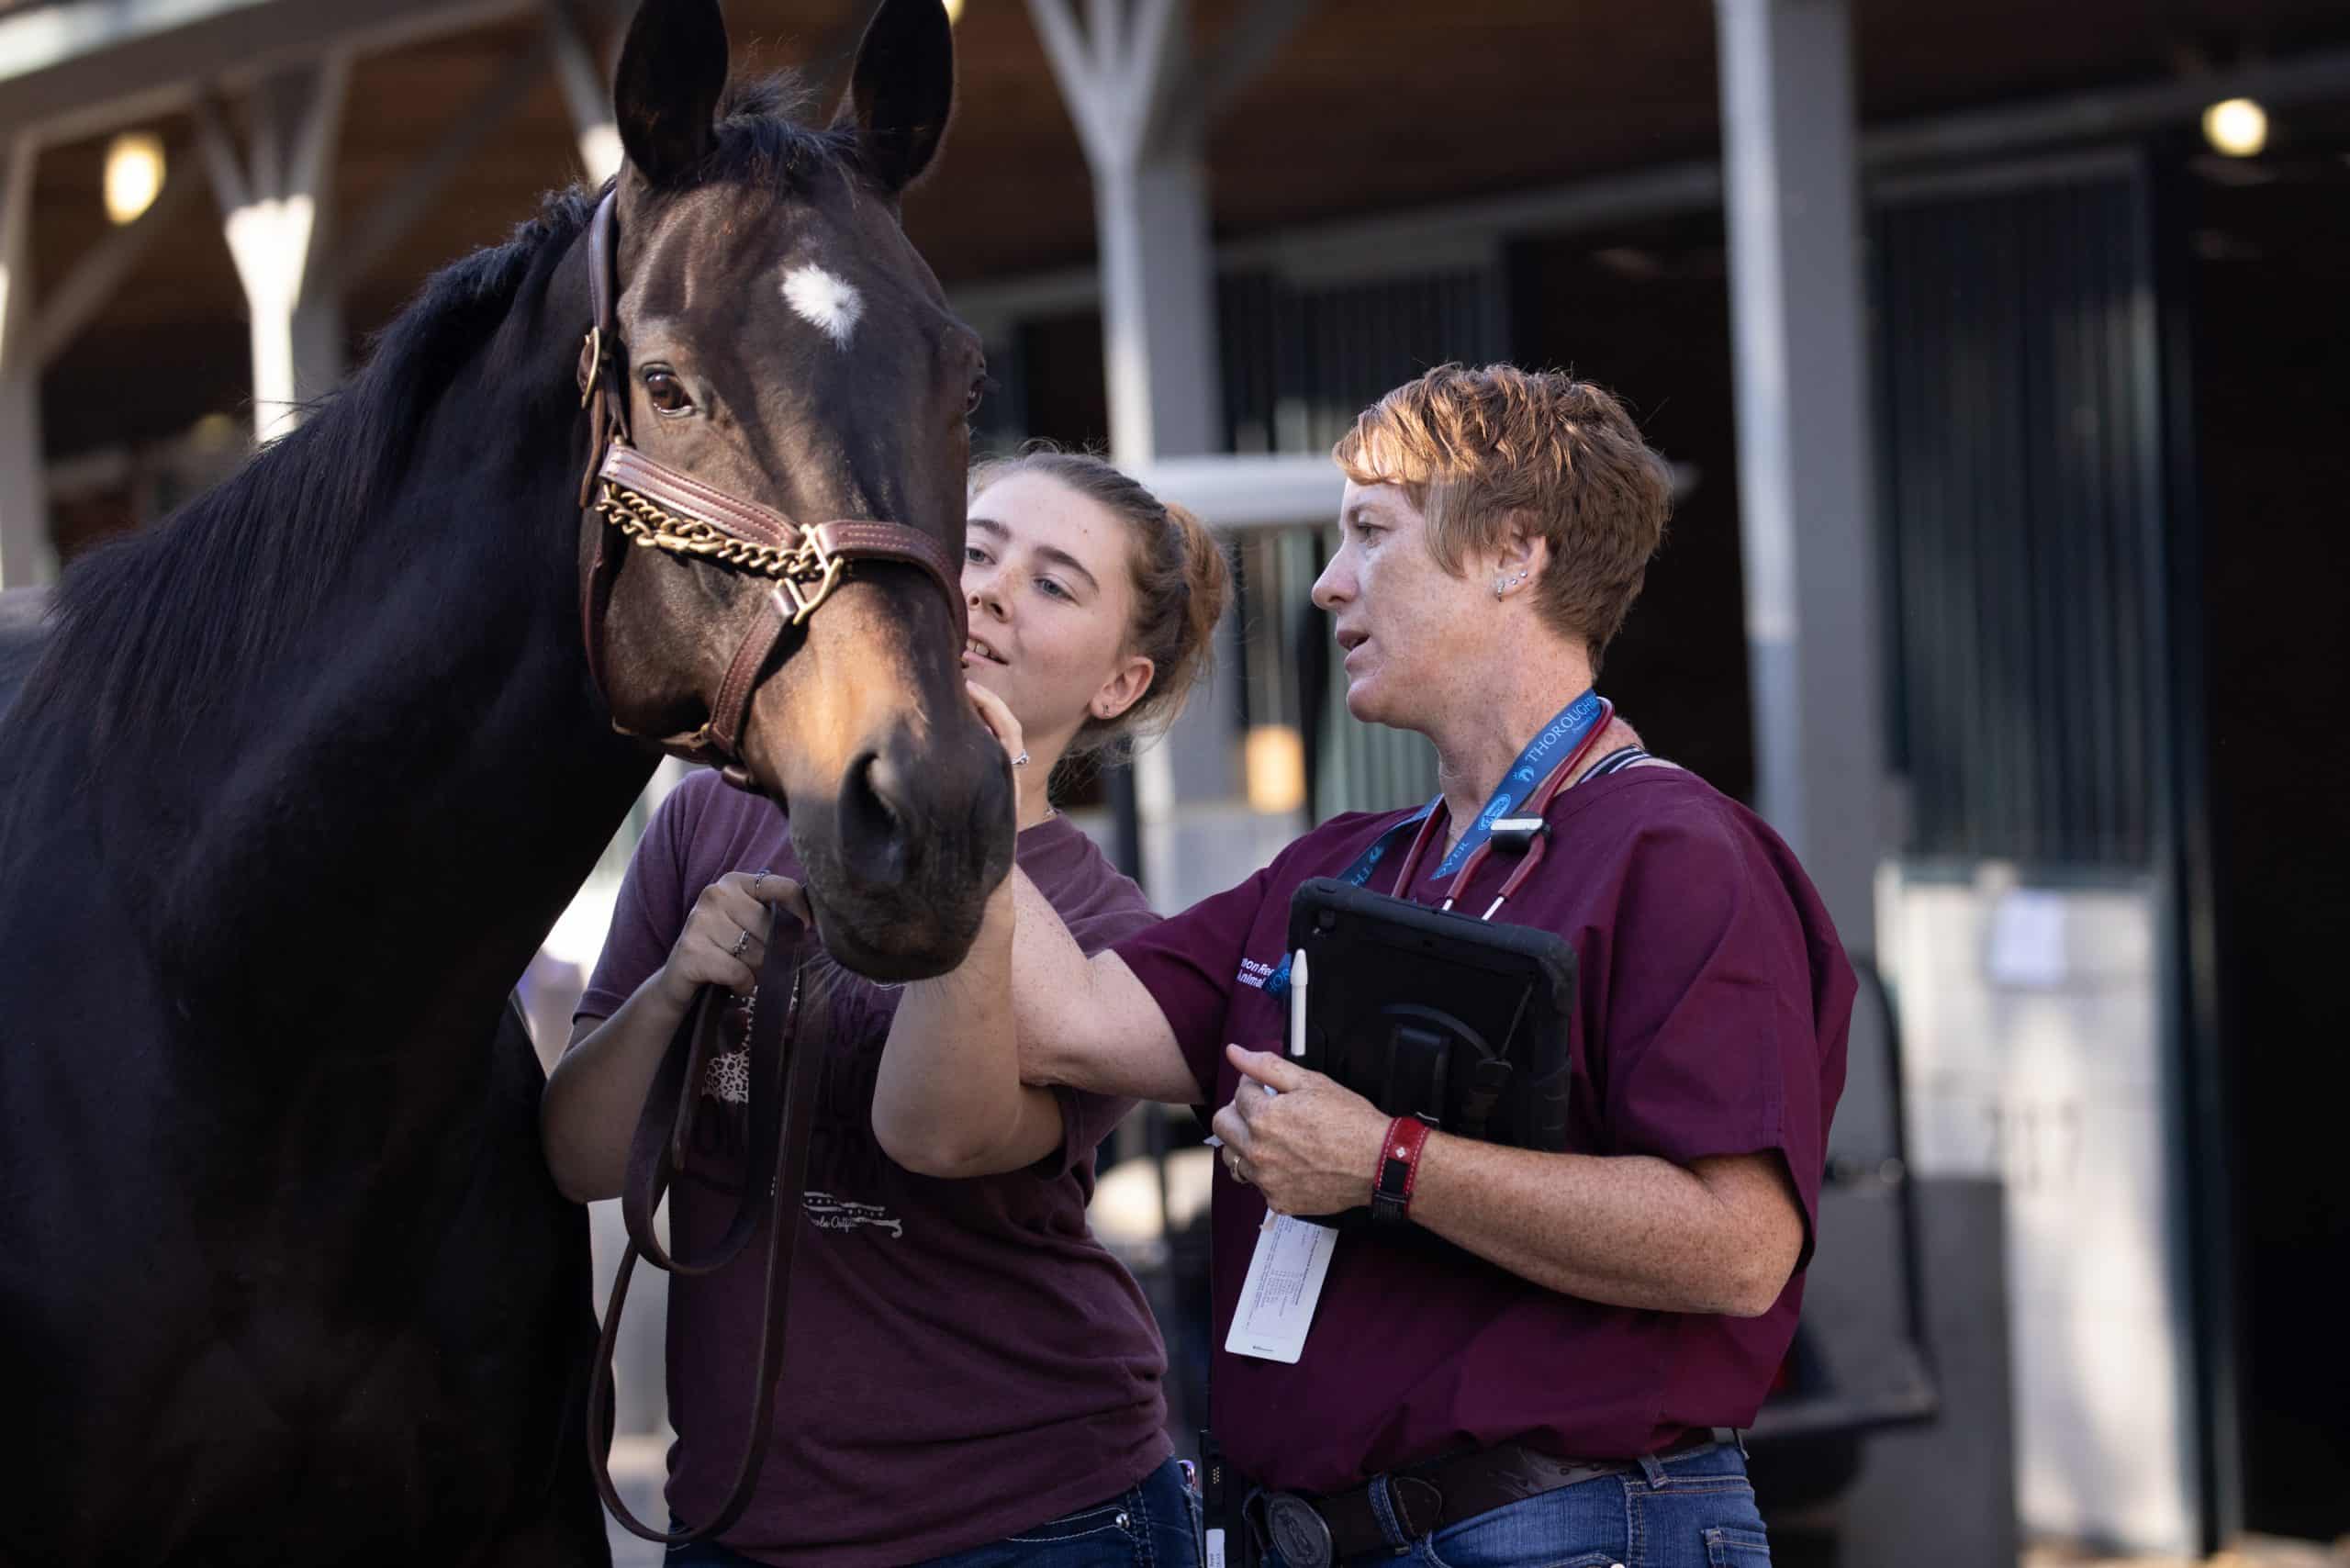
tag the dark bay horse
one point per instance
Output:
(303, 776)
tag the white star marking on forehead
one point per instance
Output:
(826, 300)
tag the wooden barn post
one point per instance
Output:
(27, 555)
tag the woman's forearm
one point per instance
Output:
(948, 1100)
(1720, 1235)
(1086, 1022)
(589, 1114)
(1628, 1231)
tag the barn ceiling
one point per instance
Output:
(1370, 104)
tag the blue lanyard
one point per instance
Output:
(1556, 742)
(1558, 738)
(1553, 743)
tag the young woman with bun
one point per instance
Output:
(972, 1379)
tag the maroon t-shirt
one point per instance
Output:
(1710, 1019)
(965, 1360)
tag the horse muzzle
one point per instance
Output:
(902, 858)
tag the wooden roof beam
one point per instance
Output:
(1128, 75)
(98, 274)
(1252, 44)
(1139, 101)
(587, 79)
(373, 235)
(277, 205)
(69, 71)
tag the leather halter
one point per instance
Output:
(655, 507)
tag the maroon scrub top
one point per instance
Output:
(1713, 1002)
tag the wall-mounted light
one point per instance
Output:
(2237, 127)
(954, 12)
(134, 176)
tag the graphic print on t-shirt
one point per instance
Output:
(843, 1156)
(729, 1078)
(827, 1213)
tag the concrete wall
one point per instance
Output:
(1943, 1494)
(2034, 1056)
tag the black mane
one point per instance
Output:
(150, 630)
(150, 627)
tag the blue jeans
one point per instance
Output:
(1153, 1524)
(1693, 1510)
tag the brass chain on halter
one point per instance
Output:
(806, 572)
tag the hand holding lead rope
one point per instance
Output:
(725, 936)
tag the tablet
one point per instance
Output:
(1464, 1024)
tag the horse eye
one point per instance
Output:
(668, 394)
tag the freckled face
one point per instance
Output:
(1414, 634)
(1052, 596)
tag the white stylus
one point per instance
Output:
(1297, 1003)
(1296, 1024)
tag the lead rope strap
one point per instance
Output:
(783, 1105)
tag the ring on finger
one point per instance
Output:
(1020, 761)
(742, 943)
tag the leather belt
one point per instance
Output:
(1312, 1532)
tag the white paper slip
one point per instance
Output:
(1215, 1549)
(1286, 1276)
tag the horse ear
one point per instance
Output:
(673, 71)
(902, 91)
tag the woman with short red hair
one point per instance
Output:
(1541, 1356)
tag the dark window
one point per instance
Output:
(2020, 499)
(1301, 361)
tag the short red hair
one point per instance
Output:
(1477, 449)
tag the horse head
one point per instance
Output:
(782, 374)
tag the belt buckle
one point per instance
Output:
(1299, 1533)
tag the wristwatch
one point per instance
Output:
(1399, 1170)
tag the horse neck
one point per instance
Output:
(411, 794)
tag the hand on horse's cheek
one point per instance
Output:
(1050, 573)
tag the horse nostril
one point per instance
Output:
(885, 780)
(871, 812)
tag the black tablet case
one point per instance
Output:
(1463, 1022)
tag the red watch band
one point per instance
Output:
(1399, 1170)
